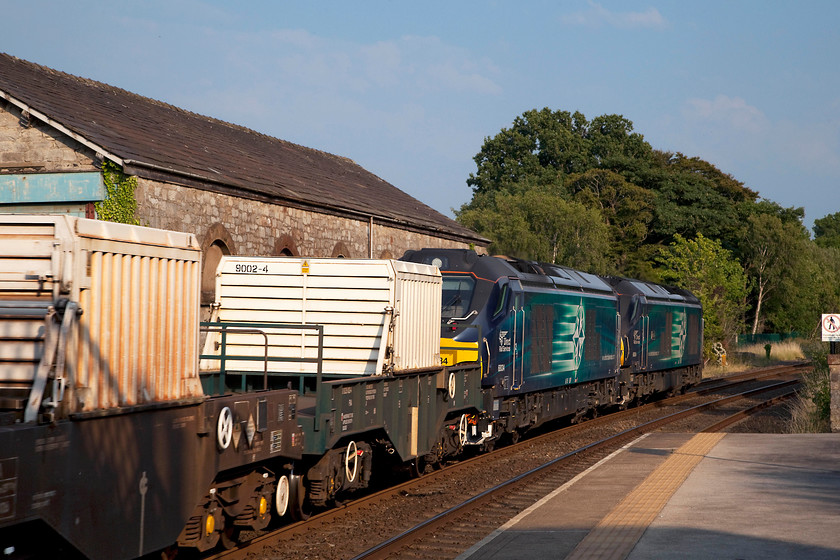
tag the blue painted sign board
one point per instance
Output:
(39, 188)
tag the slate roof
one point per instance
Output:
(159, 141)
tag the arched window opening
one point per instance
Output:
(285, 246)
(212, 256)
(341, 251)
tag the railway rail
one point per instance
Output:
(432, 525)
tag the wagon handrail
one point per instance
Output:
(262, 328)
(241, 330)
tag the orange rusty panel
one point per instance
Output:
(140, 330)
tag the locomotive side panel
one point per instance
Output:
(673, 339)
(553, 339)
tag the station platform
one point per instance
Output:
(692, 496)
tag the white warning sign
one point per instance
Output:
(831, 327)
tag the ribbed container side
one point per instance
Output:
(417, 330)
(136, 340)
(140, 330)
(350, 298)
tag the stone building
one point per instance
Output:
(239, 191)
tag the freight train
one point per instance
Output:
(128, 427)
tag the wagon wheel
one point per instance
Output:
(451, 385)
(281, 496)
(224, 428)
(298, 509)
(351, 457)
(418, 467)
(462, 430)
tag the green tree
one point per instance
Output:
(769, 250)
(827, 231)
(691, 196)
(705, 268)
(546, 145)
(625, 208)
(810, 287)
(539, 224)
(644, 196)
(792, 215)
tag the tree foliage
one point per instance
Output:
(770, 248)
(624, 207)
(827, 231)
(704, 267)
(644, 196)
(539, 224)
(810, 287)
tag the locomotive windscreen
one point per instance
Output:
(457, 295)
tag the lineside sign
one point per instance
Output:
(831, 327)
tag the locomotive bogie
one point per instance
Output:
(344, 469)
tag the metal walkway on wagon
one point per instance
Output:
(693, 496)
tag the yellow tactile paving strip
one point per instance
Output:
(619, 531)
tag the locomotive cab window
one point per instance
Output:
(500, 305)
(457, 295)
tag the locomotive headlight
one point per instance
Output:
(209, 525)
(263, 506)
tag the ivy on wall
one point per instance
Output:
(119, 205)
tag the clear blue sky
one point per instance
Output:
(410, 90)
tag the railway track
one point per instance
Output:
(428, 518)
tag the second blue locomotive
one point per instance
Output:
(556, 342)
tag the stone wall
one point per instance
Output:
(262, 229)
(31, 146)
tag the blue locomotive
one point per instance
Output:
(556, 342)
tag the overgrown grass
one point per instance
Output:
(787, 351)
(755, 355)
(810, 412)
(716, 370)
